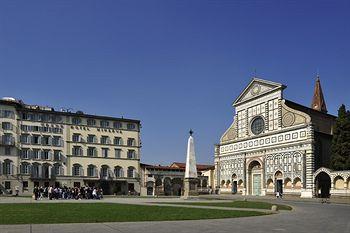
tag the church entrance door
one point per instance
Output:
(234, 187)
(279, 186)
(256, 184)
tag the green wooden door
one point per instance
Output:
(256, 184)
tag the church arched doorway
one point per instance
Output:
(167, 186)
(323, 185)
(279, 182)
(255, 177)
(234, 184)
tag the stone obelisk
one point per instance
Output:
(191, 179)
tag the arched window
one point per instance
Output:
(104, 171)
(91, 170)
(270, 184)
(339, 182)
(7, 167)
(222, 183)
(77, 170)
(118, 171)
(131, 172)
(297, 183)
(288, 183)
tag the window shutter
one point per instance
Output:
(50, 141)
(1, 164)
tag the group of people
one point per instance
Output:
(76, 193)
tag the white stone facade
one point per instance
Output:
(269, 147)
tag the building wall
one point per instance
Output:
(54, 136)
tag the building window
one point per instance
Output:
(46, 140)
(45, 155)
(131, 154)
(91, 171)
(57, 141)
(104, 124)
(91, 151)
(25, 138)
(131, 126)
(257, 125)
(7, 126)
(25, 153)
(91, 122)
(36, 153)
(7, 185)
(131, 172)
(36, 140)
(76, 137)
(104, 152)
(118, 141)
(91, 138)
(118, 153)
(76, 121)
(7, 167)
(57, 169)
(117, 125)
(131, 142)
(77, 171)
(24, 168)
(77, 151)
(118, 171)
(57, 155)
(56, 119)
(7, 114)
(25, 185)
(104, 171)
(105, 140)
(7, 139)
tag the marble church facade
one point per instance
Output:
(272, 145)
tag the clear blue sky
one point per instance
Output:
(174, 65)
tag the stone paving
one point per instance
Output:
(307, 216)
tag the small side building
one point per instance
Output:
(158, 180)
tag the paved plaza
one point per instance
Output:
(307, 216)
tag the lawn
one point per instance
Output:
(42, 213)
(237, 204)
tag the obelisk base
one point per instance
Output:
(190, 188)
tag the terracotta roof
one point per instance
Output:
(177, 166)
(200, 167)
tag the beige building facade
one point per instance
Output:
(40, 147)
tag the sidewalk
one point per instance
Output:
(333, 200)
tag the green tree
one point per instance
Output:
(340, 158)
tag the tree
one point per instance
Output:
(340, 158)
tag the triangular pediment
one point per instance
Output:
(257, 87)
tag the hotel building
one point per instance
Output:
(40, 146)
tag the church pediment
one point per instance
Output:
(257, 87)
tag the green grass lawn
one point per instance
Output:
(237, 204)
(41, 213)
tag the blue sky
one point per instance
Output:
(174, 65)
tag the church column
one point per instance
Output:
(309, 166)
(245, 175)
(217, 167)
